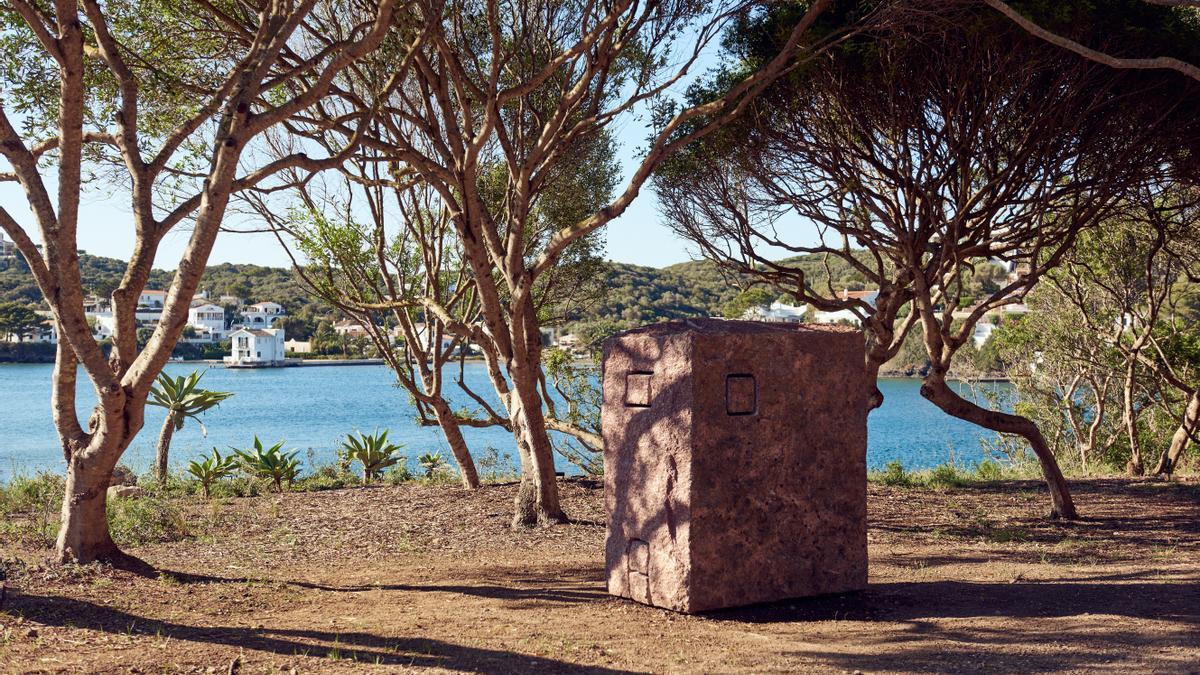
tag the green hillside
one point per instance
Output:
(634, 295)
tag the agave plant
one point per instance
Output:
(270, 462)
(432, 462)
(183, 398)
(373, 452)
(212, 469)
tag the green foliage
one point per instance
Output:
(269, 463)
(213, 468)
(251, 283)
(988, 470)
(433, 463)
(755, 297)
(578, 385)
(493, 464)
(30, 506)
(145, 520)
(373, 452)
(183, 398)
(19, 320)
(946, 475)
(327, 477)
(893, 474)
(398, 475)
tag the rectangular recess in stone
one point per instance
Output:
(639, 556)
(637, 390)
(741, 394)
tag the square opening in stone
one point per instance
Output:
(637, 390)
(741, 395)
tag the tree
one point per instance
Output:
(1127, 285)
(19, 320)
(171, 106)
(1065, 378)
(920, 150)
(183, 398)
(401, 276)
(1133, 34)
(493, 106)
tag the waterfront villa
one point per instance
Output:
(301, 346)
(261, 314)
(350, 329)
(778, 312)
(208, 320)
(152, 298)
(845, 315)
(255, 348)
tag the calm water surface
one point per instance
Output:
(312, 408)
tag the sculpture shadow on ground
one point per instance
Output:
(1177, 601)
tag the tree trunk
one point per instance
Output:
(83, 533)
(538, 483)
(935, 389)
(1182, 437)
(1135, 466)
(458, 444)
(164, 446)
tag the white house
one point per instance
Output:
(983, 331)
(208, 319)
(261, 314)
(778, 312)
(302, 346)
(254, 347)
(845, 315)
(151, 298)
(103, 324)
(350, 329)
(47, 332)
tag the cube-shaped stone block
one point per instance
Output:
(735, 463)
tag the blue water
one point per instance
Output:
(312, 408)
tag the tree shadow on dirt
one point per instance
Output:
(977, 649)
(565, 586)
(359, 647)
(913, 601)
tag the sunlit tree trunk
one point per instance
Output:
(164, 445)
(1182, 437)
(458, 444)
(937, 391)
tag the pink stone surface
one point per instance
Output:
(735, 463)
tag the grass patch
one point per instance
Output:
(941, 476)
(31, 507)
(146, 520)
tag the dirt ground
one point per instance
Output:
(418, 577)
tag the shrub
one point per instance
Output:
(327, 477)
(398, 475)
(31, 505)
(373, 452)
(492, 461)
(271, 463)
(433, 463)
(213, 468)
(947, 475)
(145, 520)
(989, 470)
(894, 474)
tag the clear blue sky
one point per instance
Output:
(639, 236)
